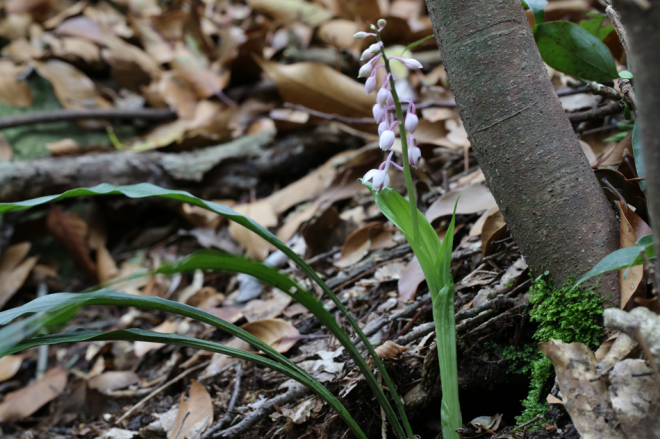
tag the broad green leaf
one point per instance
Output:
(637, 154)
(180, 340)
(625, 74)
(567, 47)
(595, 25)
(645, 241)
(619, 260)
(149, 190)
(537, 7)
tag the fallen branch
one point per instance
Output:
(596, 113)
(157, 114)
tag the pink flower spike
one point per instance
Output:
(408, 62)
(380, 178)
(386, 140)
(382, 95)
(363, 35)
(379, 112)
(383, 126)
(370, 85)
(411, 122)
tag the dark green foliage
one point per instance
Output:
(568, 314)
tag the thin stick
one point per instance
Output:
(92, 113)
(536, 418)
(183, 421)
(596, 113)
(163, 387)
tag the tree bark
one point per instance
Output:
(523, 141)
(644, 40)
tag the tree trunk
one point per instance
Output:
(644, 40)
(524, 142)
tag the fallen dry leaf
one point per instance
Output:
(410, 279)
(140, 348)
(195, 413)
(106, 265)
(24, 402)
(493, 230)
(587, 402)
(319, 87)
(473, 198)
(278, 333)
(338, 33)
(389, 349)
(290, 11)
(632, 228)
(14, 269)
(63, 147)
(12, 91)
(370, 237)
(262, 212)
(113, 380)
(9, 365)
(258, 309)
(161, 136)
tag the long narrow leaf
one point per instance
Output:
(148, 190)
(619, 260)
(180, 340)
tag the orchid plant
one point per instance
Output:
(434, 257)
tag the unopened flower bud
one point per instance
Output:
(361, 35)
(390, 100)
(366, 70)
(411, 63)
(414, 155)
(381, 23)
(382, 96)
(379, 112)
(384, 125)
(411, 122)
(386, 140)
(373, 27)
(370, 85)
(375, 48)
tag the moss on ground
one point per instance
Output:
(567, 314)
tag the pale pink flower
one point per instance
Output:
(363, 35)
(383, 126)
(386, 140)
(408, 62)
(379, 112)
(370, 85)
(383, 95)
(414, 153)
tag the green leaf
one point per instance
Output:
(149, 190)
(537, 7)
(180, 340)
(645, 241)
(638, 155)
(619, 260)
(625, 74)
(567, 47)
(595, 25)
(416, 43)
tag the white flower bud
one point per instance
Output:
(414, 156)
(411, 63)
(382, 96)
(380, 179)
(366, 70)
(361, 35)
(370, 85)
(411, 122)
(381, 23)
(383, 126)
(379, 112)
(386, 140)
(375, 48)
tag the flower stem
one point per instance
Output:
(412, 199)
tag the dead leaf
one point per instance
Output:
(389, 349)
(12, 91)
(338, 33)
(73, 88)
(636, 399)
(258, 309)
(24, 402)
(494, 230)
(410, 279)
(106, 265)
(478, 226)
(587, 402)
(554, 400)
(140, 348)
(277, 333)
(290, 11)
(6, 151)
(14, 269)
(63, 147)
(301, 412)
(199, 410)
(178, 93)
(632, 228)
(9, 365)
(473, 198)
(262, 212)
(113, 380)
(34, 6)
(161, 136)
(291, 225)
(370, 237)
(319, 87)
(622, 345)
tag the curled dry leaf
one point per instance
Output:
(278, 333)
(621, 346)
(633, 280)
(473, 198)
(195, 414)
(71, 231)
(258, 309)
(494, 229)
(24, 402)
(14, 269)
(370, 237)
(105, 264)
(338, 33)
(12, 91)
(586, 401)
(410, 279)
(319, 87)
(389, 349)
(9, 365)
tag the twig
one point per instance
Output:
(618, 28)
(596, 113)
(293, 394)
(161, 388)
(490, 321)
(608, 92)
(519, 288)
(232, 404)
(536, 418)
(627, 89)
(183, 421)
(92, 113)
(497, 303)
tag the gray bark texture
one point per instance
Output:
(642, 27)
(524, 143)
